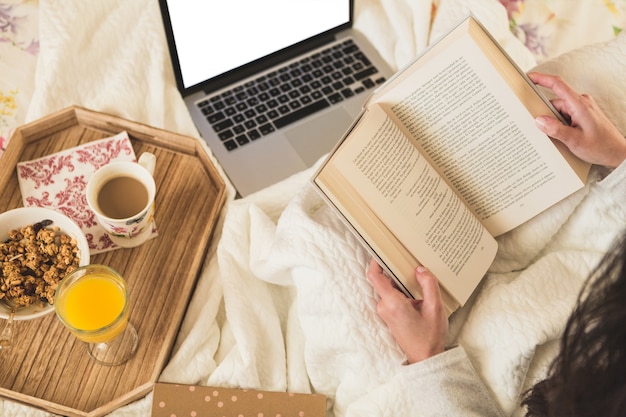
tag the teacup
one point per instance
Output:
(121, 194)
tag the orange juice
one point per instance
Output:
(94, 307)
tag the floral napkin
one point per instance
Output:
(58, 181)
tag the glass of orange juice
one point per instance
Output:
(92, 302)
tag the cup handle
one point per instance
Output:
(148, 161)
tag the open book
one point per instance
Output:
(444, 157)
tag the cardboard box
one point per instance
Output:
(191, 400)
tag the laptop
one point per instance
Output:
(271, 85)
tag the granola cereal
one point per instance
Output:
(33, 260)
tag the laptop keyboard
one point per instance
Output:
(259, 107)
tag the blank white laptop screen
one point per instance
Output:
(216, 36)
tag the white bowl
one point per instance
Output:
(21, 217)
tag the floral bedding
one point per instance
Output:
(19, 47)
(547, 27)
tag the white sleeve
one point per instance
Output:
(615, 181)
(448, 385)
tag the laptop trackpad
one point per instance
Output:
(318, 136)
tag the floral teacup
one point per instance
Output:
(121, 194)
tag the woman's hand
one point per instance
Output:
(419, 326)
(591, 136)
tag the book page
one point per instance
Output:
(472, 127)
(417, 206)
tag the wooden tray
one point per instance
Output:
(48, 367)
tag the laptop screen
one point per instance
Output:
(213, 37)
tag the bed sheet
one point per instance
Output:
(19, 48)
(281, 303)
(550, 28)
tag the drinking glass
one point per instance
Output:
(92, 302)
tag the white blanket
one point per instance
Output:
(282, 303)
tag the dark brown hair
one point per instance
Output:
(588, 376)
